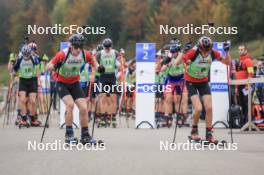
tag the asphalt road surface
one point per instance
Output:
(127, 152)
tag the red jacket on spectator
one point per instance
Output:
(245, 68)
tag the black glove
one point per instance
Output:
(166, 61)
(101, 69)
(226, 46)
(57, 65)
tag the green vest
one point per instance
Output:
(42, 67)
(72, 65)
(27, 69)
(85, 75)
(131, 78)
(161, 77)
(176, 70)
(199, 68)
(108, 60)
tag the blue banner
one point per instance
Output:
(146, 88)
(64, 45)
(145, 52)
(219, 87)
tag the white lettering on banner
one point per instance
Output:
(145, 46)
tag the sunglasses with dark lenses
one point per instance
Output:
(77, 47)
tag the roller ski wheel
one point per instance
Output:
(114, 125)
(90, 141)
(194, 139)
(108, 123)
(222, 143)
(159, 125)
(23, 123)
(209, 139)
(102, 123)
(35, 123)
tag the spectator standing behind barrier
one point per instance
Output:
(260, 86)
(244, 71)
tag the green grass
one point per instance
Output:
(4, 76)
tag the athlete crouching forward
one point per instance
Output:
(67, 64)
(198, 60)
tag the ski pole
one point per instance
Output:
(229, 99)
(179, 108)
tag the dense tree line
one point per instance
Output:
(126, 21)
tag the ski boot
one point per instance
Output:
(34, 121)
(179, 120)
(158, 119)
(108, 120)
(23, 122)
(17, 120)
(18, 117)
(194, 137)
(169, 121)
(123, 111)
(133, 114)
(87, 139)
(164, 121)
(209, 138)
(114, 124)
(102, 121)
(70, 139)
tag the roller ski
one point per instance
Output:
(159, 120)
(102, 122)
(108, 122)
(17, 120)
(34, 121)
(194, 137)
(23, 123)
(163, 121)
(88, 140)
(70, 139)
(114, 124)
(211, 140)
(181, 121)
